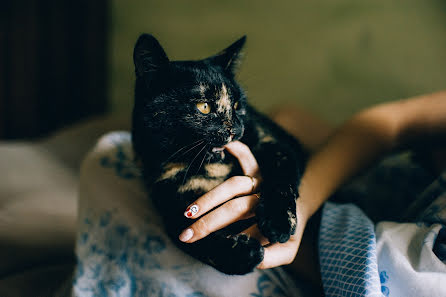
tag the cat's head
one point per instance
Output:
(185, 101)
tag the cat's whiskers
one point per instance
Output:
(204, 157)
(174, 154)
(182, 154)
(185, 175)
(209, 160)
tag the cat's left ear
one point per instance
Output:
(148, 56)
(229, 58)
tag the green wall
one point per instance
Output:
(332, 57)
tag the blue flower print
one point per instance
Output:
(267, 287)
(383, 277)
(154, 244)
(122, 163)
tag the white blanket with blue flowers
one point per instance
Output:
(360, 258)
(122, 250)
(121, 247)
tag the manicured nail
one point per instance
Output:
(191, 211)
(186, 235)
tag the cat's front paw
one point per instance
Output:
(276, 214)
(239, 254)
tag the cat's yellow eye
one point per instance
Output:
(236, 105)
(204, 107)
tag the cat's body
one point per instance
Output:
(179, 140)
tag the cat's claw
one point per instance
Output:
(240, 255)
(276, 217)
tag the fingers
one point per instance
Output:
(279, 254)
(230, 212)
(247, 161)
(234, 186)
(254, 232)
(276, 254)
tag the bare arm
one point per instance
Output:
(366, 137)
(355, 145)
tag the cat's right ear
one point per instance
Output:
(229, 58)
(148, 57)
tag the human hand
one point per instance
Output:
(231, 210)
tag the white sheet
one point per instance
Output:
(122, 249)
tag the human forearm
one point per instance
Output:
(422, 120)
(366, 137)
(353, 146)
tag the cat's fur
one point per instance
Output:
(175, 141)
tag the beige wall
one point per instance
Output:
(333, 57)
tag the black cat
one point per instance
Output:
(184, 113)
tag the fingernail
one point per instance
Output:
(191, 211)
(186, 235)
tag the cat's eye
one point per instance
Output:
(237, 105)
(204, 107)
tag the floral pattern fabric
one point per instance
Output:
(122, 249)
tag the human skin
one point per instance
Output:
(358, 143)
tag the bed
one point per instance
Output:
(38, 205)
(40, 223)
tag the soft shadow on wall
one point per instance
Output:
(332, 57)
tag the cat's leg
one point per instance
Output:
(281, 169)
(230, 254)
(281, 160)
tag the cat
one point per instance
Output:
(184, 113)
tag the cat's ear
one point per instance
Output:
(229, 58)
(148, 56)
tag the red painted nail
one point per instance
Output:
(191, 211)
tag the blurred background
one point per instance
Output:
(332, 57)
(66, 77)
(61, 61)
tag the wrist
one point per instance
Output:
(303, 211)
